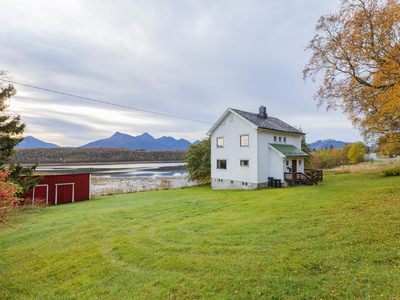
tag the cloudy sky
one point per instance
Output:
(187, 58)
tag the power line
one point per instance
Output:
(105, 102)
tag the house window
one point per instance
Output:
(244, 163)
(280, 139)
(274, 138)
(284, 140)
(299, 162)
(221, 164)
(287, 163)
(220, 142)
(244, 140)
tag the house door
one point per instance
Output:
(294, 166)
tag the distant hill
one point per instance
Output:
(322, 144)
(174, 144)
(31, 142)
(121, 140)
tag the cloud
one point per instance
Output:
(186, 58)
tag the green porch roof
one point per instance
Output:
(289, 150)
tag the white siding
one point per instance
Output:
(231, 128)
(271, 165)
(263, 161)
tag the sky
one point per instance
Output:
(187, 58)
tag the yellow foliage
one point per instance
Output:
(356, 50)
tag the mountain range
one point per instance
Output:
(31, 142)
(149, 143)
(120, 140)
(322, 144)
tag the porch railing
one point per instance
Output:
(298, 177)
(316, 172)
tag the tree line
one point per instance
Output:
(93, 155)
(333, 157)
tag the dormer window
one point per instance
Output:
(220, 142)
(284, 140)
(280, 139)
(274, 138)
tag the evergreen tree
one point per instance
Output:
(306, 148)
(11, 130)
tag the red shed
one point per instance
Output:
(58, 189)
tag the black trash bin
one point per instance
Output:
(270, 181)
(273, 183)
(278, 183)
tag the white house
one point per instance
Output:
(247, 148)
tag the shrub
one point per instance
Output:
(8, 198)
(392, 172)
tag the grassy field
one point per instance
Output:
(339, 240)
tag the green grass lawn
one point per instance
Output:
(339, 240)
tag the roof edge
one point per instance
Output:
(302, 154)
(227, 111)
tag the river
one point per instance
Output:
(118, 170)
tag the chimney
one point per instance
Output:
(262, 112)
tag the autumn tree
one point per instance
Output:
(315, 163)
(8, 198)
(344, 151)
(356, 52)
(357, 152)
(337, 159)
(11, 134)
(198, 159)
(325, 159)
(388, 148)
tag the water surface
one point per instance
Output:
(118, 170)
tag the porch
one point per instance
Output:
(309, 177)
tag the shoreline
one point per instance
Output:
(107, 163)
(101, 186)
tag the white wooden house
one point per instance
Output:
(247, 148)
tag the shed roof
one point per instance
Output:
(269, 123)
(289, 150)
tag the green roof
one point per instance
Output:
(289, 150)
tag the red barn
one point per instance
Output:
(58, 189)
